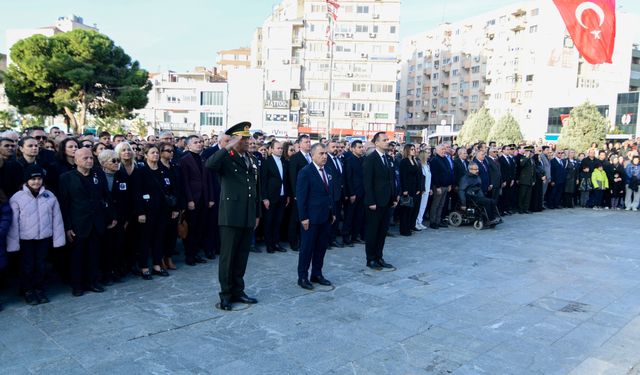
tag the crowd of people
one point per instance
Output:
(114, 205)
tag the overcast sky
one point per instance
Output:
(179, 35)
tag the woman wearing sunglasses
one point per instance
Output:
(175, 186)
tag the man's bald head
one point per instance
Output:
(84, 160)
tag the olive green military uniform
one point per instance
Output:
(239, 208)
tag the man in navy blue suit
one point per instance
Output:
(335, 169)
(483, 169)
(558, 179)
(315, 210)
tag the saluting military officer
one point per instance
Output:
(239, 212)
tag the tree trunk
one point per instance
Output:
(73, 123)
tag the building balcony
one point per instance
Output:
(446, 68)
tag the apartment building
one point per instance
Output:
(521, 60)
(304, 92)
(187, 102)
(233, 59)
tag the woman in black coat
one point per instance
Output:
(536, 190)
(172, 186)
(410, 186)
(65, 162)
(152, 201)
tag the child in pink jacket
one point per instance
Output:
(36, 225)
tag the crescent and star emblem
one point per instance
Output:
(588, 5)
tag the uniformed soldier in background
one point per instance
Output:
(239, 212)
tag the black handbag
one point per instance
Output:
(633, 183)
(406, 201)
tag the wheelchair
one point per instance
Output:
(474, 214)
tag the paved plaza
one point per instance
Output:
(551, 293)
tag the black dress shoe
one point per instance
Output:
(199, 259)
(384, 264)
(225, 304)
(373, 264)
(295, 248)
(146, 275)
(280, 249)
(357, 241)
(254, 249)
(270, 250)
(348, 244)
(443, 225)
(31, 298)
(244, 299)
(338, 244)
(389, 234)
(209, 255)
(305, 284)
(434, 226)
(321, 280)
(162, 272)
(96, 288)
(42, 298)
(190, 261)
(77, 292)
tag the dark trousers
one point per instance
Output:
(335, 227)
(524, 197)
(376, 231)
(487, 203)
(408, 216)
(150, 244)
(596, 197)
(114, 260)
(313, 247)
(234, 254)
(212, 231)
(567, 200)
(196, 221)
(272, 220)
(170, 237)
(504, 201)
(353, 225)
(294, 226)
(85, 256)
(555, 195)
(33, 254)
(437, 204)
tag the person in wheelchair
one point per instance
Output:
(470, 187)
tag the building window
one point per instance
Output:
(474, 98)
(362, 9)
(362, 28)
(211, 98)
(375, 28)
(529, 77)
(475, 84)
(475, 69)
(359, 107)
(535, 12)
(533, 29)
(211, 119)
(456, 59)
(392, 30)
(359, 87)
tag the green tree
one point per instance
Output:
(139, 127)
(73, 74)
(109, 124)
(505, 131)
(476, 128)
(586, 125)
(7, 120)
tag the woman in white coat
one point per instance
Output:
(426, 172)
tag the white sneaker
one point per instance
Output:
(635, 209)
(627, 208)
(606, 208)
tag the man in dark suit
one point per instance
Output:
(87, 212)
(315, 210)
(558, 179)
(441, 181)
(483, 169)
(379, 197)
(508, 173)
(336, 172)
(460, 169)
(274, 183)
(526, 180)
(239, 213)
(353, 226)
(210, 151)
(298, 161)
(495, 175)
(200, 196)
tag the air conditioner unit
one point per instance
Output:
(348, 35)
(367, 115)
(364, 55)
(350, 75)
(376, 16)
(286, 62)
(347, 114)
(372, 35)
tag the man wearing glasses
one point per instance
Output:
(471, 189)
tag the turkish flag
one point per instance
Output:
(592, 26)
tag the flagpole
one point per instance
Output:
(330, 76)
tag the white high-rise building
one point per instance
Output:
(522, 61)
(295, 58)
(187, 103)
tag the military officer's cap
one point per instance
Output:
(528, 148)
(241, 129)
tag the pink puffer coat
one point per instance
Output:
(35, 218)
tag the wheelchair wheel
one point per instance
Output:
(455, 219)
(478, 224)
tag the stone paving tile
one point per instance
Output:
(525, 298)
